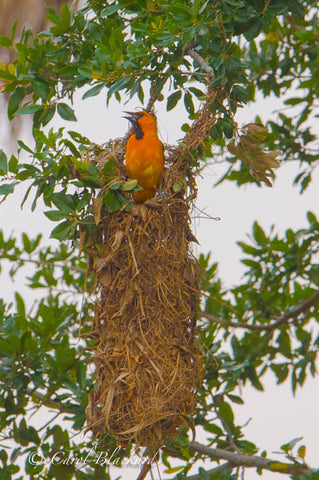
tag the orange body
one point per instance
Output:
(144, 158)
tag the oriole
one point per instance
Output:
(144, 157)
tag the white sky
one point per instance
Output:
(276, 417)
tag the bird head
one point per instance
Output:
(142, 122)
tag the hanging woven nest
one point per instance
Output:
(148, 366)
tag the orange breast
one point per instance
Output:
(145, 160)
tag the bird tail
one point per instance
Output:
(142, 195)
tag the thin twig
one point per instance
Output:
(147, 467)
(288, 315)
(144, 471)
(42, 263)
(50, 421)
(47, 402)
(245, 460)
(231, 439)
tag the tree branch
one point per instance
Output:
(153, 97)
(201, 61)
(302, 308)
(285, 317)
(253, 461)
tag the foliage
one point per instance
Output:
(121, 48)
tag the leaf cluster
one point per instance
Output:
(283, 61)
(281, 274)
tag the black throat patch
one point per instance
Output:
(139, 134)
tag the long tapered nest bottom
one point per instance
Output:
(148, 366)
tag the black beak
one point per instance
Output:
(133, 116)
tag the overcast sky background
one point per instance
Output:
(276, 416)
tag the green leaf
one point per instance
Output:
(25, 147)
(281, 371)
(253, 377)
(203, 7)
(174, 469)
(116, 186)
(226, 412)
(14, 101)
(140, 94)
(198, 93)
(173, 100)
(213, 428)
(85, 71)
(248, 248)
(228, 127)
(215, 133)
(296, 8)
(310, 83)
(235, 399)
(254, 30)
(106, 12)
(13, 164)
(80, 370)
(129, 185)
(20, 305)
(66, 15)
(284, 343)
(247, 447)
(302, 451)
(66, 112)
(5, 41)
(47, 114)
(26, 243)
(117, 86)
(3, 163)
(55, 215)
(305, 182)
(112, 201)
(291, 444)
(41, 89)
(188, 102)
(66, 203)
(53, 17)
(240, 94)
(312, 218)
(259, 234)
(7, 188)
(250, 263)
(31, 435)
(295, 101)
(33, 469)
(6, 75)
(64, 231)
(93, 91)
(28, 109)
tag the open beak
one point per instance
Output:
(133, 116)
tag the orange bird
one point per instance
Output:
(144, 157)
